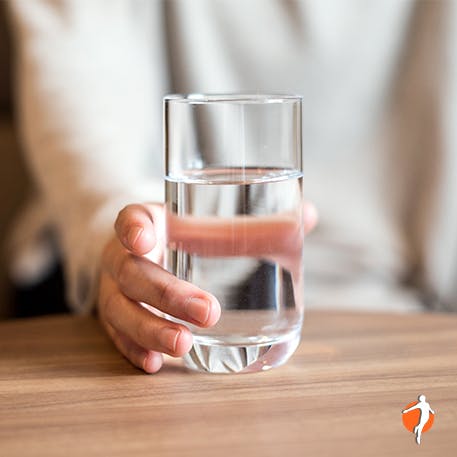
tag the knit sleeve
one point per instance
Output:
(90, 82)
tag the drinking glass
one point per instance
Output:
(234, 222)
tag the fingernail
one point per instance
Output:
(169, 338)
(134, 234)
(198, 309)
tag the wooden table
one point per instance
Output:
(64, 391)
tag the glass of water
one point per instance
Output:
(234, 222)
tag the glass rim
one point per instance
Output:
(233, 97)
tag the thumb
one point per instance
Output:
(136, 227)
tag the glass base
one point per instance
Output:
(240, 358)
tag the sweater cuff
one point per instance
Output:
(82, 261)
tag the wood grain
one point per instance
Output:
(64, 391)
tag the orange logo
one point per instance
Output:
(418, 417)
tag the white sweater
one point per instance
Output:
(379, 80)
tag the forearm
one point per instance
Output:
(84, 116)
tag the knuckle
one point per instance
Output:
(144, 332)
(125, 270)
(108, 305)
(166, 289)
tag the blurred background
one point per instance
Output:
(414, 258)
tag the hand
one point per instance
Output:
(127, 278)
(277, 238)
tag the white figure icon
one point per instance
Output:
(425, 411)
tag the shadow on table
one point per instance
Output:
(65, 346)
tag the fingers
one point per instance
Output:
(129, 278)
(310, 217)
(140, 326)
(237, 236)
(144, 281)
(135, 228)
(257, 236)
(147, 360)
